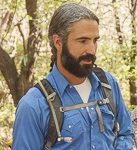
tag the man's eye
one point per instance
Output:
(82, 41)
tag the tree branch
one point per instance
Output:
(9, 71)
(23, 38)
(33, 39)
(117, 22)
(10, 20)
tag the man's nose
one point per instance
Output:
(91, 49)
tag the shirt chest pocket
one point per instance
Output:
(107, 116)
(72, 124)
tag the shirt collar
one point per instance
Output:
(95, 82)
(59, 79)
(62, 83)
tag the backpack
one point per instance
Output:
(56, 109)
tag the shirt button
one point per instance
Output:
(122, 138)
(92, 108)
(70, 86)
(82, 108)
(92, 127)
(69, 126)
(93, 146)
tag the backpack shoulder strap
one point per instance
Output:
(107, 93)
(106, 88)
(56, 116)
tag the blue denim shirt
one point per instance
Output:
(32, 117)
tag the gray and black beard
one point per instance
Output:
(72, 64)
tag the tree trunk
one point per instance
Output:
(19, 83)
(117, 23)
(132, 79)
(8, 69)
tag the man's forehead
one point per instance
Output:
(85, 28)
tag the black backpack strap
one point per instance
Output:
(56, 116)
(106, 88)
(107, 93)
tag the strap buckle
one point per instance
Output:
(103, 101)
(51, 96)
(47, 146)
(61, 109)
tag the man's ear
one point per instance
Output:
(57, 42)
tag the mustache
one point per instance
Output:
(88, 57)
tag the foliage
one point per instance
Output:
(7, 111)
(42, 66)
(131, 107)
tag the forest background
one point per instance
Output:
(25, 52)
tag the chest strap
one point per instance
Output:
(95, 103)
(78, 106)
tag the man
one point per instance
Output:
(73, 35)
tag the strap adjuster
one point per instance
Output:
(61, 109)
(103, 101)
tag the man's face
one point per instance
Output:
(78, 54)
(72, 64)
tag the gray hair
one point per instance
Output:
(62, 21)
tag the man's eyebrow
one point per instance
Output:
(86, 38)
